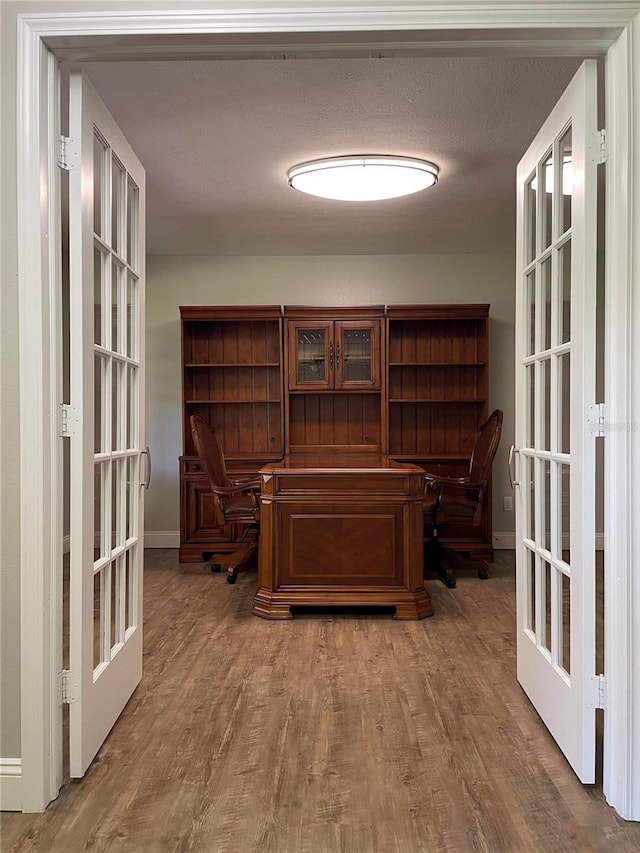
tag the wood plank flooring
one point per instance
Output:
(337, 732)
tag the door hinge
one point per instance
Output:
(69, 687)
(69, 421)
(68, 153)
(596, 692)
(596, 420)
(597, 146)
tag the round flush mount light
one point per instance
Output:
(369, 177)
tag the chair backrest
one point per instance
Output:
(209, 450)
(485, 447)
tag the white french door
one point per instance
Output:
(555, 447)
(106, 270)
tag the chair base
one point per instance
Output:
(244, 557)
(446, 562)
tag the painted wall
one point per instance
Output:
(326, 280)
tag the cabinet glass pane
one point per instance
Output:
(312, 364)
(357, 355)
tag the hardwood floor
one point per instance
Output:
(337, 732)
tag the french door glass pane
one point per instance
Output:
(545, 540)
(97, 621)
(131, 410)
(567, 180)
(529, 508)
(131, 349)
(564, 291)
(565, 627)
(546, 404)
(116, 273)
(100, 154)
(132, 224)
(530, 218)
(130, 497)
(547, 603)
(311, 355)
(564, 402)
(98, 550)
(117, 503)
(530, 334)
(547, 201)
(99, 288)
(357, 355)
(531, 590)
(565, 496)
(102, 580)
(113, 605)
(530, 375)
(545, 272)
(99, 373)
(117, 205)
(130, 603)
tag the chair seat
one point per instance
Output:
(240, 508)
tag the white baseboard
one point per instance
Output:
(506, 541)
(162, 539)
(152, 539)
(11, 784)
(503, 541)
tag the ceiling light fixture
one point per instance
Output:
(369, 177)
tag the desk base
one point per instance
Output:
(277, 605)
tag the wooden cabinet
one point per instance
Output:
(342, 355)
(334, 359)
(232, 377)
(437, 364)
(410, 381)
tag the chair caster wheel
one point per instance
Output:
(483, 574)
(450, 583)
(215, 567)
(232, 578)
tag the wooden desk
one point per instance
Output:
(341, 529)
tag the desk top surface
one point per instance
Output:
(340, 462)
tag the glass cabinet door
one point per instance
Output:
(311, 355)
(357, 354)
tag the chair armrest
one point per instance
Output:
(226, 491)
(253, 483)
(435, 483)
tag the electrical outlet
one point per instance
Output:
(507, 503)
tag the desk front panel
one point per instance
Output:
(340, 544)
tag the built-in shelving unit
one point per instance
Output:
(232, 377)
(437, 366)
(407, 380)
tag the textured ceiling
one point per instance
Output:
(217, 137)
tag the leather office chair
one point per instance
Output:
(451, 500)
(235, 501)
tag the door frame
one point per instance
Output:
(573, 27)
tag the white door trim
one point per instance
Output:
(621, 782)
(40, 480)
(40, 334)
